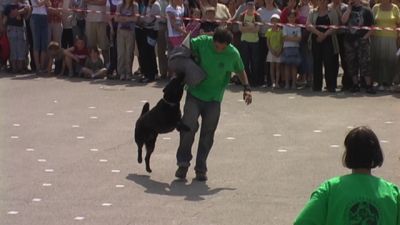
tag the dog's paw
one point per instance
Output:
(140, 160)
(148, 169)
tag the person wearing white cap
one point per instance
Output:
(274, 37)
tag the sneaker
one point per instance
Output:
(381, 88)
(181, 172)
(201, 176)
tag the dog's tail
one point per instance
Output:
(146, 108)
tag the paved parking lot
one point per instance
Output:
(67, 154)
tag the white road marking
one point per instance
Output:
(80, 137)
(384, 141)
(75, 126)
(94, 150)
(79, 218)
(129, 111)
(14, 137)
(230, 138)
(119, 186)
(103, 160)
(277, 135)
(42, 160)
(94, 117)
(282, 150)
(12, 212)
(50, 114)
(115, 171)
(30, 149)
(106, 204)
(92, 107)
(317, 131)
(334, 146)
(388, 122)
(36, 200)
(16, 124)
(46, 184)
(48, 170)
(166, 138)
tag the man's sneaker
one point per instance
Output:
(201, 176)
(181, 172)
(370, 90)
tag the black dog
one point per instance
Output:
(163, 118)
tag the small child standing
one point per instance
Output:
(291, 49)
(56, 55)
(274, 37)
(94, 66)
(194, 25)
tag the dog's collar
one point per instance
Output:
(169, 103)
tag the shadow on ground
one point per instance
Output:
(194, 191)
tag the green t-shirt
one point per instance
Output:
(353, 199)
(218, 67)
(275, 39)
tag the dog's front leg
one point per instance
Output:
(139, 159)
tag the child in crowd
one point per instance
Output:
(94, 66)
(194, 25)
(291, 49)
(76, 57)
(56, 55)
(274, 37)
(15, 13)
(208, 25)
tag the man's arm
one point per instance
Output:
(246, 91)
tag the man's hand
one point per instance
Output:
(247, 97)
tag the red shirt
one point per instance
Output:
(52, 17)
(81, 55)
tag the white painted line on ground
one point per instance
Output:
(14, 137)
(384, 141)
(317, 131)
(129, 111)
(94, 117)
(30, 149)
(144, 101)
(350, 127)
(55, 101)
(46, 184)
(277, 135)
(79, 218)
(119, 186)
(115, 171)
(75, 126)
(230, 138)
(388, 122)
(92, 107)
(16, 124)
(106, 204)
(36, 200)
(334, 146)
(103, 160)
(12, 212)
(42, 160)
(94, 150)
(49, 170)
(240, 100)
(282, 150)
(292, 97)
(50, 114)
(80, 137)
(166, 138)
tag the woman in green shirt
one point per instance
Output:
(359, 197)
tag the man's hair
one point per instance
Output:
(222, 35)
(53, 46)
(363, 150)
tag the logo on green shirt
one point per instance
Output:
(363, 213)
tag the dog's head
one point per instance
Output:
(174, 90)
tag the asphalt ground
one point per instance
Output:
(67, 154)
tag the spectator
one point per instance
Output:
(359, 197)
(384, 43)
(194, 25)
(40, 33)
(275, 45)
(15, 14)
(96, 27)
(339, 7)
(94, 66)
(266, 9)
(55, 20)
(249, 42)
(126, 37)
(291, 54)
(111, 30)
(357, 44)
(79, 18)
(306, 65)
(56, 56)
(208, 24)
(67, 38)
(162, 40)
(76, 57)
(325, 46)
(291, 5)
(146, 36)
(221, 11)
(176, 27)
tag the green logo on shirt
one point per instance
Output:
(363, 213)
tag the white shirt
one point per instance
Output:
(39, 10)
(291, 31)
(178, 12)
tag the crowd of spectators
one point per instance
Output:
(99, 38)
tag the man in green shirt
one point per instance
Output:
(218, 58)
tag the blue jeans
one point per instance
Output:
(40, 32)
(209, 112)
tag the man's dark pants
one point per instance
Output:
(209, 113)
